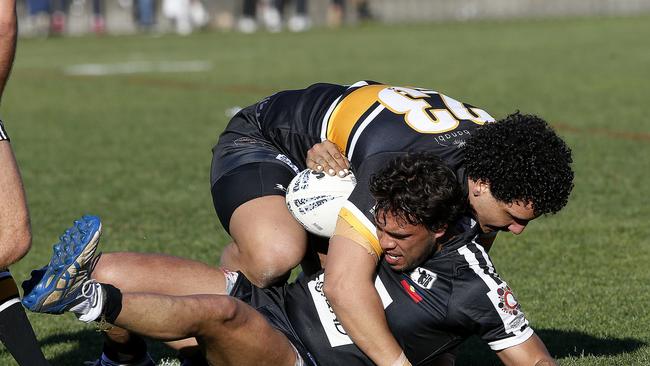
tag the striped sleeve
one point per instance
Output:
(3, 132)
(492, 305)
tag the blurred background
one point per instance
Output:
(77, 17)
(113, 107)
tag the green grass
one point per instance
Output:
(135, 149)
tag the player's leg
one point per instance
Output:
(228, 330)
(223, 325)
(15, 331)
(248, 177)
(15, 238)
(158, 273)
(151, 273)
(267, 241)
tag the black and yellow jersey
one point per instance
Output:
(371, 123)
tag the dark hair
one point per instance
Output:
(522, 159)
(420, 189)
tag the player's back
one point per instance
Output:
(375, 118)
(368, 118)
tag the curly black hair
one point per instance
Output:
(522, 159)
(420, 189)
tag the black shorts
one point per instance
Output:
(245, 166)
(270, 303)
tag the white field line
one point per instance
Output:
(137, 67)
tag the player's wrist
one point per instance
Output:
(401, 361)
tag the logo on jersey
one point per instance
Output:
(453, 136)
(507, 301)
(423, 277)
(411, 291)
(336, 335)
(460, 143)
(283, 158)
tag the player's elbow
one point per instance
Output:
(336, 289)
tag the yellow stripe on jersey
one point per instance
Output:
(360, 228)
(347, 114)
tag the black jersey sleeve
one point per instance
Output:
(484, 303)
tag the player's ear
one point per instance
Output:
(440, 232)
(480, 187)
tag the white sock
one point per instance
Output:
(91, 302)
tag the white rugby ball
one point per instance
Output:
(315, 199)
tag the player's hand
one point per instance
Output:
(326, 157)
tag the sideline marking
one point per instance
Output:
(137, 67)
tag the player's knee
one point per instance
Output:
(23, 242)
(221, 311)
(18, 241)
(107, 270)
(271, 268)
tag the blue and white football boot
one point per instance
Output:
(58, 286)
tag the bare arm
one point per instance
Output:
(349, 287)
(8, 32)
(15, 236)
(530, 353)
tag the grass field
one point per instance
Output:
(135, 149)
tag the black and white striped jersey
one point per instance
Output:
(431, 309)
(3, 132)
(371, 123)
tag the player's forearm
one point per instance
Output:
(349, 287)
(363, 319)
(532, 352)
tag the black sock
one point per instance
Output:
(15, 331)
(113, 304)
(131, 349)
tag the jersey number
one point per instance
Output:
(422, 117)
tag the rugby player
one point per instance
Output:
(437, 284)
(15, 235)
(512, 171)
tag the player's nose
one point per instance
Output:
(386, 243)
(516, 228)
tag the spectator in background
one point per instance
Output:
(145, 14)
(99, 19)
(185, 14)
(59, 14)
(248, 23)
(336, 12)
(47, 17)
(39, 17)
(15, 235)
(272, 16)
(299, 21)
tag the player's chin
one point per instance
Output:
(395, 263)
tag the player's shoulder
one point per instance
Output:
(478, 285)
